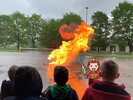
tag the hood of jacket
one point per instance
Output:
(109, 91)
(60, 92)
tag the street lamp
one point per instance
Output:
(86, 13)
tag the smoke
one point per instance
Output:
(67, 31)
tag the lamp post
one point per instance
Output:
(86, 13)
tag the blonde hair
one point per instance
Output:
(12, 72)
(109, 69)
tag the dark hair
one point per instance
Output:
(60, 75)
(28, 82)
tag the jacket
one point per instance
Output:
(62, 93)
(6, 89)
(100, 90)
(24, 98)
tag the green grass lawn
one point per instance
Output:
(8, 49)
(88, 53)
(108, 54)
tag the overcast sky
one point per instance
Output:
(57, 8)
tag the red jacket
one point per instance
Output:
(100, 90)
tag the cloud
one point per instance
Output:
(10, 6)
(57, 8)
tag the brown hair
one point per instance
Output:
(109, 69)
(12, 71)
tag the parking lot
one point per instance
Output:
(76, 79)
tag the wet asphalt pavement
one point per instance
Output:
(76, 79)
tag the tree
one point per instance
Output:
(123, 24)
(18, 27)
(5, 30)
(50, 36)
(71, 17)
(33, 28)
(101, 26)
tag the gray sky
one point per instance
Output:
(57, 8)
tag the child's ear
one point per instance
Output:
(117, 76)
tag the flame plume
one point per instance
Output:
(78, 36)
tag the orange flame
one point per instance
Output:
(78, 36)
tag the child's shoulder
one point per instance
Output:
(94, 81)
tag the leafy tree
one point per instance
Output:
(33, 27)
(18, 27)
(123, 24)
(101, 26)
(5, 30)
(71, 17)
(50, 36)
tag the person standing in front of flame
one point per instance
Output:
(106, 89)
(27, 84)
(61, 90)
(7, 85)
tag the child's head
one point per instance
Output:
(12, 71)
(60, 75)
(28, 82)
(109, 70)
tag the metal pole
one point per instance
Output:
(86, 13)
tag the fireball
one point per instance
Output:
(79, 37)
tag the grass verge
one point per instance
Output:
(108, 54)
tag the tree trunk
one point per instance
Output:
(98, 49)
(130, 46)
(33, 44)
(18, 41)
